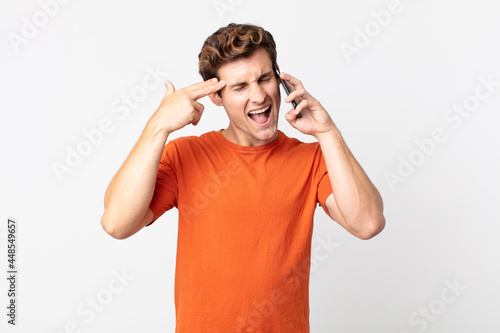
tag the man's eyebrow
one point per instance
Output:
(238, 84)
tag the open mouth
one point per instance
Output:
(260, 116)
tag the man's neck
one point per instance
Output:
(246, 140)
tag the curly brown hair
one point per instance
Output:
(232, 42)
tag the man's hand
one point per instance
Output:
(180, 108)
(315, 119)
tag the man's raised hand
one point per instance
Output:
(180, 108)
(315, 119)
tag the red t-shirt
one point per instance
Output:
(245, 228)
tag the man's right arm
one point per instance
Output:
(129, 194)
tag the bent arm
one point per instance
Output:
(130, 192)
(355, 203)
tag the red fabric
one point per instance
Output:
(245, 228)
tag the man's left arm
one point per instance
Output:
(354, 203)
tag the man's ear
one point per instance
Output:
(216, 98)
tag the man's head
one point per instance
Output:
(233, 42)
(243, 56)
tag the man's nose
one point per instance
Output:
(257, 94)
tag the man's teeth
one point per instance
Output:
(260, 110)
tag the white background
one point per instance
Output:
(442, 220)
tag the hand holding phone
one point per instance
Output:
(285, 87)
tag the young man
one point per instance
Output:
(246, 195)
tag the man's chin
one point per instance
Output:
(267, 134)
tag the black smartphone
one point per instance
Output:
(285, 87)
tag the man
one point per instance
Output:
(246, 195)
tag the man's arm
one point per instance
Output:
(354, 203)
(129, 194)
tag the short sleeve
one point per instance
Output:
(166, 187)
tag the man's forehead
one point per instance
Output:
(245, 74)
(234, 78)
(246, 68)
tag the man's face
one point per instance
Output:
(251, 99)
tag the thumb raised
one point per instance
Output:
(170, 88)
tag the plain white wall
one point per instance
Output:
(391, 73)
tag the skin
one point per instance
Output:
(251, 85)
(354, 203)
(127, 198)
(246, 84)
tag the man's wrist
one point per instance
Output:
(332, 134)
(155, 129)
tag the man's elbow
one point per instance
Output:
(109, 225)
(372, 227)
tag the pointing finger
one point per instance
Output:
(203, 89)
